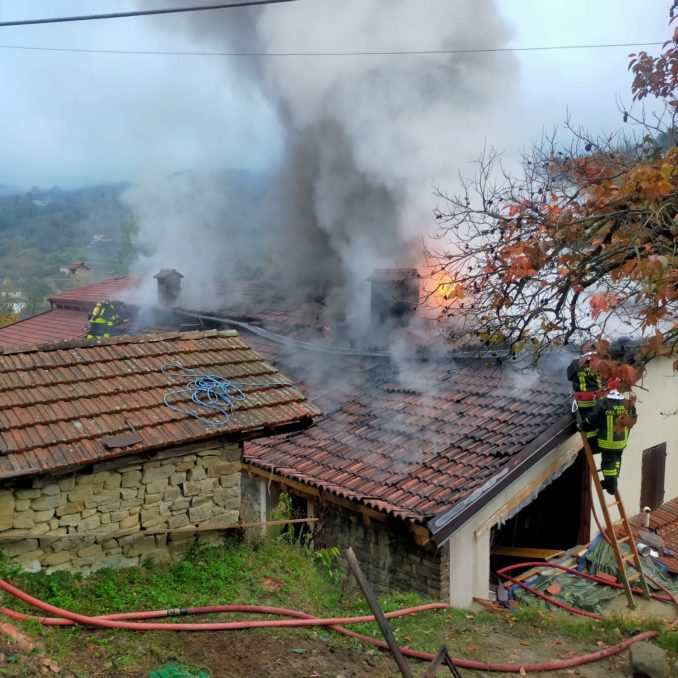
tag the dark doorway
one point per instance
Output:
(557, 518)
(652, 477)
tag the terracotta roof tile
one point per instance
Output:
(413, 453)
(663, 523)
(84, 298)
(60, 400)
(57, 325)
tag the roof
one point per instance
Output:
(84, 298)
(422, 450)
(663, 523)
(57, 325)
(60, 400)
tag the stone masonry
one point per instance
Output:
(85, 521)
(386, 550)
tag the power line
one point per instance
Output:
(335, 54)
(126, 15)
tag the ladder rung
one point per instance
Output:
(629, 557)
(612, 503)
(633, 577)
(623, 539)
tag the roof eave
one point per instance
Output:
(443, 526)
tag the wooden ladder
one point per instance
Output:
(626, 535)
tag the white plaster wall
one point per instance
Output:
(470, 545)
(652, 428)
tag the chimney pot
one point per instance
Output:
(395, 295)
(169, 286)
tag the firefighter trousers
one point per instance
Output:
(610, 465)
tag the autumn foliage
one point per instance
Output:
(582, 244)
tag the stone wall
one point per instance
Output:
(95, 518)
(386, 551)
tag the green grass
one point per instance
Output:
(281, 575)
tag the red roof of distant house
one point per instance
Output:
(663, 523)
(77, 265)
(57, 325)
(58, 402)
(84, 298)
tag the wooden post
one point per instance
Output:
(378, 614)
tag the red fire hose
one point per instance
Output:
(300, 619)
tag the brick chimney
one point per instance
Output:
(395, 296)
(169, 286)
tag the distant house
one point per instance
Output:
(97, 471)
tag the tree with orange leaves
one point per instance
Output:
(581, 245)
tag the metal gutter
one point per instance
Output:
(442, 527)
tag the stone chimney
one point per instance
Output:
(395, 296)
(169, 286)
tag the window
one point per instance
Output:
(652, 483)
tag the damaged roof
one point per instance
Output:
(60, 400)
(421, 441)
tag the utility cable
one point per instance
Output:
(127, 15)
(423, 52)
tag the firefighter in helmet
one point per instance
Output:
(588, 387)
(612, 417)
(105, 320)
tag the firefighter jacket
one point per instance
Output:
(587, 384)
(605, 417)
(103, 320)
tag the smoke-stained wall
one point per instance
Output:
(365, 138)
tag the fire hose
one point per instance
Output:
(126, 621)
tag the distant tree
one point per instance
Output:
(581, 244)
(7, 312)
(128, 250)
(36, 292)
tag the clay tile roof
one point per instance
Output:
(60, 400)
(663, 523)
(416, 452)
(84, 298)
(394, 274)
(57, 325)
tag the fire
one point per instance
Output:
(442, 290)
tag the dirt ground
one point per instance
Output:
(287, 655)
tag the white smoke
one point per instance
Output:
(365, 139)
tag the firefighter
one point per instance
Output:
(105, 319)
(588, 386)
(612, 416)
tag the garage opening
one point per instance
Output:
(557, 519)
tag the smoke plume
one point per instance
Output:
(364, 140)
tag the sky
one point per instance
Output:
(72, 119)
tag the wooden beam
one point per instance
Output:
(520, 552)
(282, 480)
(517, 499)
(421, 534)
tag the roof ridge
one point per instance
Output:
(110, 341)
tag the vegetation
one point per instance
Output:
(580, 244)
(280, 574)
(43, 230)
